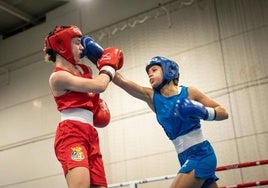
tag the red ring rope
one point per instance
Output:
(242, 165)
(248, 184)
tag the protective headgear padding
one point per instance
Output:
(59, 40)
(170, 69)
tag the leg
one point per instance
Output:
(213, 185)
(187, 180)
(78, 177)
(96, 166)
(94, 186)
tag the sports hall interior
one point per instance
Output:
(221, 47)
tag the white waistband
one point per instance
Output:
(184, 142)
(77, 114)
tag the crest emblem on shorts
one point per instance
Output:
(77, 154)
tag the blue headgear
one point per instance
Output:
(170, 69)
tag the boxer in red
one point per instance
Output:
(76, 94)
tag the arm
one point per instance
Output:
(110, 61)
(143, 93)
(199, 96)
(63, 81)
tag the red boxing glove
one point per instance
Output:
(102, 115)
(111, 57)
(111, 60)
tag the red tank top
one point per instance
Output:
(74, 99)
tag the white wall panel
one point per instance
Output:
(226, 152)
(256, 151)
(252, 148)
(232, 70)
(27, 98)
(32, 121)
(250, 115)
(134, 137)
(229, 177)
(26, 84)
(53, 182)
(236, 17)
(189, 29)
(245, 57)
(216, 131)
(30, 162)
(203, 68)
(147, 166)
(96, 14)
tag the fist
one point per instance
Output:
(102, 115)
(188, 109)
(112, 57)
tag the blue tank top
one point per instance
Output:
(165, 109)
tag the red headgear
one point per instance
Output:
(59, 40)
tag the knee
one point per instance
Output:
(78, 178)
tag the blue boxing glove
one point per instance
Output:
(92, 50)
(189, 109)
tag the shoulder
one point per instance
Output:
(59, 77)
(192, 89)
(194, 93)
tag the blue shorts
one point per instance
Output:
(202, 159)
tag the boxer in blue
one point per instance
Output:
(179, 110)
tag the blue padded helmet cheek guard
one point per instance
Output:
(170, 70)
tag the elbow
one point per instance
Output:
(101, 88)
(227, 115)
(221, 114)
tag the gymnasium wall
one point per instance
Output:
(221, 48)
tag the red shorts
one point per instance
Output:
(77, 145)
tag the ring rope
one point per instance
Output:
(220, 168)
(248, 184)
(242, 165)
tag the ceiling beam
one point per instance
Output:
(16, 12)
